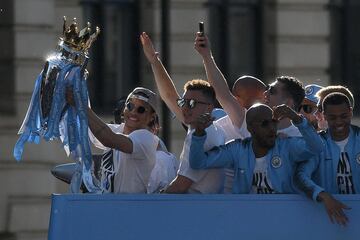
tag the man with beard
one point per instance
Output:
(336, 170)
(264, 162)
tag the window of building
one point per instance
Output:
(236, 36)
(344, 45)
(114, 57)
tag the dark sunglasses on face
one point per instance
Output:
(190, 103)
(130, 106)
(308, 109)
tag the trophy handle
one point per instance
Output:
(83, 67)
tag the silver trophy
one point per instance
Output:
(50, 117)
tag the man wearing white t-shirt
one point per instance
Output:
(284, 90)
(166, 164)
(336, 170)
(134, 146)
(198, 98)
(246, 91)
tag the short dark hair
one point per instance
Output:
(331, 89)
(335, 98)
(203, 86)
(294, 89)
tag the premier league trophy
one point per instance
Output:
(50, 117)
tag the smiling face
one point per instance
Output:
(338, 117)
(137, 114)
(202, 105)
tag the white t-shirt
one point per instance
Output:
(261, 183)
(207, 180)
(132, 171)
(231, 132)
(164, 171)
(344, 176)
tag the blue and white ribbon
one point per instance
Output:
(68, 123)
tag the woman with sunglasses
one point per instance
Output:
(133, 142)
(198, 98)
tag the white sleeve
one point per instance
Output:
(163, 172)
(144, 143)
(116, 128)
(186, 171)
(243, 131)
(232, 132)
(215, 137)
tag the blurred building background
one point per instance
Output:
(314, 40)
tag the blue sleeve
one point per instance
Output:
(217, 157)
(309, 145)
(303, 179)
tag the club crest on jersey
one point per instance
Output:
(276, 162)
(358, 158)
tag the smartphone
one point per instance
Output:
(201, 28)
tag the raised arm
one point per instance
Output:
(163, 81)
(217, 80)
(102, 131)
(106, 136)
(301, 148)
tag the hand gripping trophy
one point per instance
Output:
(50, 117)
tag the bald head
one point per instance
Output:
(262, 127)
(258, 112)
(248, 90)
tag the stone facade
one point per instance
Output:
(296, 44)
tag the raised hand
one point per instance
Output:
(284, 111)
(202, 45)
(202, 122)
(334, 209)
(148, 48)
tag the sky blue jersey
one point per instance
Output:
(319, 174)
(239, 155)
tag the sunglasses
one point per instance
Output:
(140, 109)
(309, 109)
(190, 103)
(267, 123)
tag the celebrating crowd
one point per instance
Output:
(276, 138)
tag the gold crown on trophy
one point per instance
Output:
(78, 40)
